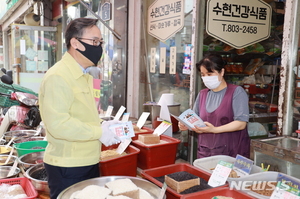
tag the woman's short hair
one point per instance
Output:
(77, 27)
(211, 62)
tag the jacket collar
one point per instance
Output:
(72, 65)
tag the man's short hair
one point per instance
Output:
(77, 27)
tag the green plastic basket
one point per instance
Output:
(8, 89)
(6, 102)
(28, 147)
(4, 88)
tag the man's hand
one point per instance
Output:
(108, 137)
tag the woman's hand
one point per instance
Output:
(209, 128)
(230, 127)
(182, 127)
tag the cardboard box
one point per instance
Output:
(149, 138)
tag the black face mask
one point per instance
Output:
(93, 53)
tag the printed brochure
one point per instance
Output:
(190, 119)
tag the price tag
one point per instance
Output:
(125, 117)
(289, 181)
(162, 127)
(119, 113)
(162, 191)
(284, 191)
(220, 174)
(109, 111)
(140, 123)
(123, 145)
(242, 165)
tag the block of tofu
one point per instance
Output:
(91, 192)
(117, 197)
(123, 187)
(180, 181)
(149, 138)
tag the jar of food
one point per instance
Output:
(234, 68)
(228, 67)
(240, 67)
(228, 58)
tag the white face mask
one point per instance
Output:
(211, 82)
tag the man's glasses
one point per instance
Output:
(96, 42)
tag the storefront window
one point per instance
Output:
(33, 53)
(35, 46)
(178, 81)
(255, 67)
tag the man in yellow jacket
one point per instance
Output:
(68, 110)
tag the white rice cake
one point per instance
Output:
(123, 187)
(144, 194)
(118, 197)
(91, 192)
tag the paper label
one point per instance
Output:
(220, 174)
(125, 117)
(152, 60)
(143, 118)
(119, 113)
(13, 168)
(109, 111)
(289, 181)
(123, 145)
(162, 127)
(162, 60)
(163, 191)
(284, 191)
(173, 60)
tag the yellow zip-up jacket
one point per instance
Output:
(68, 110)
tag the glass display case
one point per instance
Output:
(281, 153)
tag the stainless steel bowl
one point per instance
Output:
(19, 133)
(30, 159)
(2, 141)
(3, 159)
(4, 170)
(151, 188)
(26, 139)
(33, 174)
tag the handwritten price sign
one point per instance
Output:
(220, 174)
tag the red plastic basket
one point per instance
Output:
(156, 155)
(25, 183)
(151, 174)
(125, 165)
(221, 191)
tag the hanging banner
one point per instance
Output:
(162, 60)
(238, 23)
(152, 60)
(173, 60)
(165, 18)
